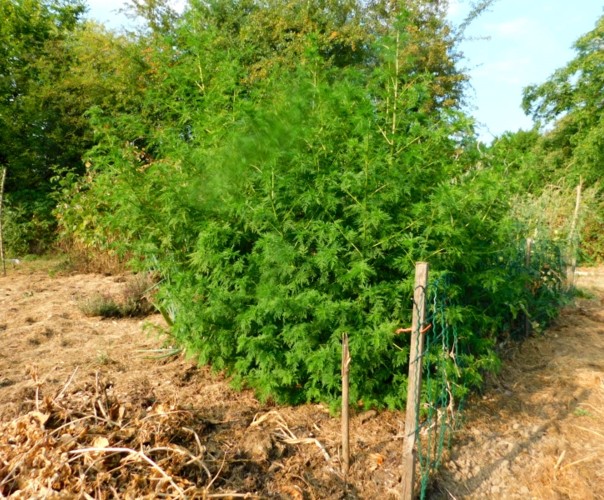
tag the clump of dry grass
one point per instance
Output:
(100, 304)
(82, 258)
(101, 444)
(135, 300)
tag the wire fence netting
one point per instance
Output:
(446, 355)
(438, 407)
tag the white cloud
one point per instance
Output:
(454, 8)
(509, 71)
(108, 11)
(520, 26)
(178, 5)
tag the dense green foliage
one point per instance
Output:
(32, 35)
(571, 100)
(53, 68)
(281, 166)
(570, 147)
(285, 168)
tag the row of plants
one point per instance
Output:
(285, 170)
(280, 167)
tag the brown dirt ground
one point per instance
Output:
(87, 411)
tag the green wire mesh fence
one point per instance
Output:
(446, 352)
(436, 418)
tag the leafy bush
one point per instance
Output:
(285, 210)
(567, 107)
(28, 224)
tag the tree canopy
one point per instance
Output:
(280, 167)
(54, 68)
(570, 109)
(285, 167)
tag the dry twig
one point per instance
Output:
(585, 459)
(284, 433)
(217, 474)
(69, 380)
(589, 430)
(134, 453)
(559, 461)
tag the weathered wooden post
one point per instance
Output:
(527, 263)
(416, 354)
(572, 241)
(345, 406)
(1, 231)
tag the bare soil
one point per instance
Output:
(89, 408)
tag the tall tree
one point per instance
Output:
(31, 140)
(54, 68)
(570, 102)
(570, 107)
(32, 38)
(286, 165)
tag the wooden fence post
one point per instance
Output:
(416, 354)
(572, 243)
(1, 231)
(527, 263)
(345, 406)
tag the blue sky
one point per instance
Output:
(527, 41)
(516, 43)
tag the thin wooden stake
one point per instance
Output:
(572, 246)
(1, 231)
(527, 263)
(345, 406)
(415, 379)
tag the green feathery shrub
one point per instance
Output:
(283, 211)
